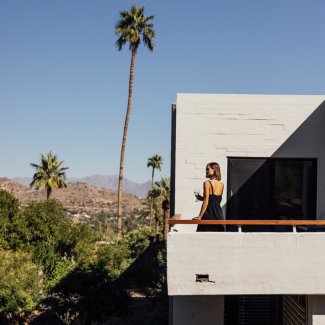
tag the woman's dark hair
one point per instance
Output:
(216, 170)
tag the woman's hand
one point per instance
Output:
(198, 196)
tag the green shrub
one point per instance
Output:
(21, 282)
(81, 242)
(99, 288)
(78, 274)
(115, 258)
(47, 225)
(61, 268)
(9, 209)
(54, 241)
(138, 240)
(147, 271)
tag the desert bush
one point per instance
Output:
(149, 261)
(9, 209)
(56, 243)
(81, 242)
(47, 225)
(21, 282)
(99, 288)
(116, 257)
(77, 274)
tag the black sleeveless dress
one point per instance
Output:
(213, 212)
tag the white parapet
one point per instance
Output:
(246, 263)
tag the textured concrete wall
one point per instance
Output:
(246, 263)
(195, 310)
(213, 127)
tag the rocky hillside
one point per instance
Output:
(104, 181)
(77, 197)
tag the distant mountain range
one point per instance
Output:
(103, 181)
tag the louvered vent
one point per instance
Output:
(253, 310)
(294, 310)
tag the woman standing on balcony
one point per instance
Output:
(212, 195)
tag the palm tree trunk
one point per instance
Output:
(166, 226)
(126, 124)
(157, 224)
(48, 193)
(151, 204)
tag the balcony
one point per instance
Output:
(247, 263)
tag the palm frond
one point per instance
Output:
(155, 162)
(49, 174)
(132, 26)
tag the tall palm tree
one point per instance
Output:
(155, 162)
(164, 193)
(49, 174)
(132, 28)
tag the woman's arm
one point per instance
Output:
(205, 199)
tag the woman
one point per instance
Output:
(212, 189)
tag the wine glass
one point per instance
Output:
(196, 193)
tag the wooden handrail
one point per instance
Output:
(248, 222)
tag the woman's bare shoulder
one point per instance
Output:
(206, 182)
(220, 185)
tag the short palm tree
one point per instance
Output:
(155, 162)
(132, 28)
(49, 174)
(154, 201)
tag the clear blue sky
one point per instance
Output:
(63, 84)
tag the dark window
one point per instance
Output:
(271, 188)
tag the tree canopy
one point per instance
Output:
(49, 174)
(133, 27)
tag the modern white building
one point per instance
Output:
(271, 150)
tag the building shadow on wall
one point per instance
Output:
(283, 186)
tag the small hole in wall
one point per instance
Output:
(202, 277)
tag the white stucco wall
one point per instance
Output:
(246, 263)
(213, 127)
